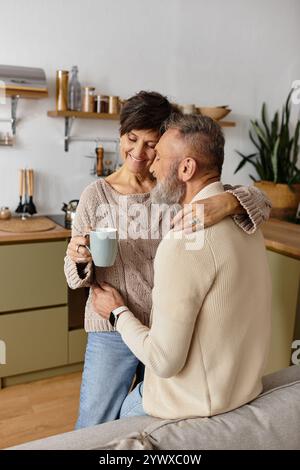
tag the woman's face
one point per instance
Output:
(137, 149)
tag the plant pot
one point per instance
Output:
(284, 200)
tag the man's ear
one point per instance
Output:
(187, 169)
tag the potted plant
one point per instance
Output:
(275, 160)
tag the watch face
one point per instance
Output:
(112, 319)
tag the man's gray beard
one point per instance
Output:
(170, 191)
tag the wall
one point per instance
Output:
(195, 51)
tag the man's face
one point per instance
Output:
(170, 150)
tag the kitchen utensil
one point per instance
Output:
(26, 185)
(31, 206)
(70, 210)
(215, 113)
(19, 209)
(99, 164)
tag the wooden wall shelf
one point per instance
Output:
(71, 115)
(227, 123)
(83, 115)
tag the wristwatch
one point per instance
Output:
(114, 315)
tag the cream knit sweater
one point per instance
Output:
(132, 273)
(208, 344)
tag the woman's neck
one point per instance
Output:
(131, 183)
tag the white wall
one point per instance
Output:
(195, 51)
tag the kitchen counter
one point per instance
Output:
(57, 233)
(282, 237)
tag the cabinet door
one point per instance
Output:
(77, 345)
(285, 274)
(34, 340)
(31, 275)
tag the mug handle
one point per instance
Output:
(84, 246)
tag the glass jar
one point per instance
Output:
(101, 104)
(88, 98)
(113, 105)
(97, 104)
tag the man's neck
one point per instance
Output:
(193, 187)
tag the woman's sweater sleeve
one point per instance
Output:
(256, 204)
(81, 275)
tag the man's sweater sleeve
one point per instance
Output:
(177, 298)
(80, 275)
(256, 204)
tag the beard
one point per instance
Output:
(171, 190)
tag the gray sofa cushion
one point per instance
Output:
(271, 421)
(93, 437)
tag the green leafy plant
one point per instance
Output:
(277, 151)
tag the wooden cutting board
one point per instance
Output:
(31, 224)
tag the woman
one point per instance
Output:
(110, 366)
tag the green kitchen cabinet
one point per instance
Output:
(33, 308)
(285, 273)
(32, 276)
(34, 340)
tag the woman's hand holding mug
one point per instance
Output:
(78, 249)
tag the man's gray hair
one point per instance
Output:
(205, 137)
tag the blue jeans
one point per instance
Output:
(132, 405)
(108, 373)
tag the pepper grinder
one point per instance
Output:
(99, 164)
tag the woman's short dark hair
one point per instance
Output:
(146, 110)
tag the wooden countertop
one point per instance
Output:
(282, 237)
(57, 233)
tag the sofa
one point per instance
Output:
(271, 421)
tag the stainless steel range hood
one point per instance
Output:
(24, 82)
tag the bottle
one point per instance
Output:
(62, 77)
(74, 103)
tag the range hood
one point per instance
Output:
(24, 82)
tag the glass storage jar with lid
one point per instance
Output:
(88, 97)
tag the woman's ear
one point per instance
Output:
(187, 169)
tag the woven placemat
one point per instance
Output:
(34, 224)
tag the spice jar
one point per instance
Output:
(5, 213)
(97, 104)
(113, 105)
(62, 80)
(101, 104)
(88, 97)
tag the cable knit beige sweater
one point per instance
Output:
(132, 274)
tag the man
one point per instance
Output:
(207, 347)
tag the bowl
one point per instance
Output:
(215, 113)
